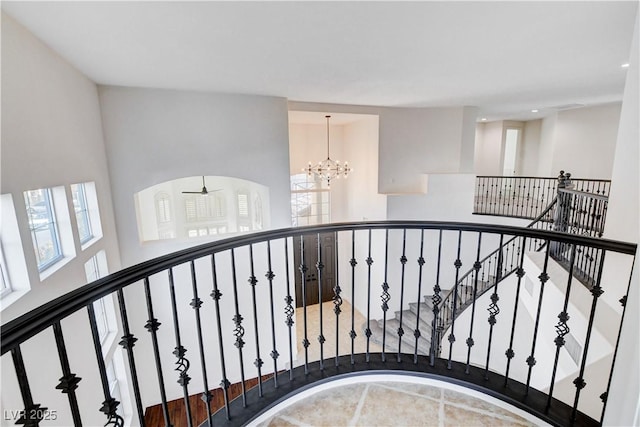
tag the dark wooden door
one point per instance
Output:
(311, 282)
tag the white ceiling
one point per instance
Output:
(504, 57)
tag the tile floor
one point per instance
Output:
(329, 332)
(393, 400)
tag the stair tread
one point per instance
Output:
(392, 342)
(407, 338)
(411, 316)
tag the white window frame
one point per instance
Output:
(12, 255)
(163, 208)
(244, 210)
(95, 269)
(82, 211)
(5, 287)
(311, 189)
(51, 225)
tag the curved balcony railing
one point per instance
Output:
(252, 325)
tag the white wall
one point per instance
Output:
(154, 136)
(355, 198)
(488, 149)
(362, 200)
(529, 148)
(581, 141)
(413, 142)
(546, 149)
(52, 136)
(623, 216)
(490, 146)
(417, 141)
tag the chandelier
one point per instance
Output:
(328, 169)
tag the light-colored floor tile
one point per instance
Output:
(418, 389)
(389, 407)
(334, 407)
(463, 400)
(455, 416)
(329, 332)
(394, 403)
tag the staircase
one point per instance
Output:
(420, 314)
(418, 320)
(580, 212)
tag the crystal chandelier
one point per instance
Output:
(328, 169)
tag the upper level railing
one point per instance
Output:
(527, 196)
(251, 316)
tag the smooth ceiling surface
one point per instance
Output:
(504, 57)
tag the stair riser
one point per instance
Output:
(408, 339)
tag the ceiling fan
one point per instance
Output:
(203, 192)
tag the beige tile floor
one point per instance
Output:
(393, 401)
(329, 332)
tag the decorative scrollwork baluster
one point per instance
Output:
(562, 328)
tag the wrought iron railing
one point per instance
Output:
(487, 272)
(527, 196)
(251, 316)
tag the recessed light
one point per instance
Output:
(625, 65)
(534, 111)
(484, 119)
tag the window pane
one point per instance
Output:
(190, 209)
(44, 232)
(309, 200)
(82, 212)
(243, 205)
(163, 208)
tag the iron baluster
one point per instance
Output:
(152, 326)
(253, 281)
(33, 412)
(561, 328)
(238, 331)
(182, 362)
(127, 342)
(493, 309)
(367, 330)
(579, 382)
(196, 303)
(403, 262)
(531, 360)
(457, 264)
(385, 296)
(353, 263)
(337, 299)
(289, 311)
(217, 295)
(69, 381)
(320, 268)
(274, 353)
(520, 273)
(421, 262)
(436, 299)
(109, 405)
(303, 276)
(476, 267)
